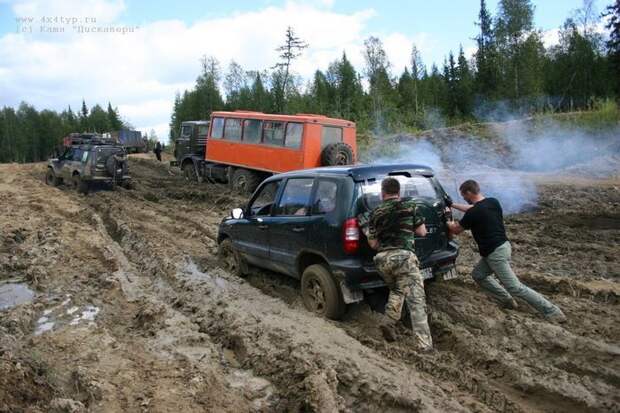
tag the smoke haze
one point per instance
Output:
(506, 164)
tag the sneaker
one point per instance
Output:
(511, 305)
(425, 349)
(557, 317)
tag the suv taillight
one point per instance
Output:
(351, 236)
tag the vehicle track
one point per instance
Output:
(177, 330)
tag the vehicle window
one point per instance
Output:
(325, 198)
(414, 187)
(77, 155)
(330, 134)
(217, 129)
(273, 133)
(68, 155)
(296, 197)
(252, 129)
(186, 131)
(203, 130)
(232, 130)
(263, 202)
(293, 135)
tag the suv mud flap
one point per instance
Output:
(350, 296)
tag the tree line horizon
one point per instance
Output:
(511, 72)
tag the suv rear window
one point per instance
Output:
(296, 197)
(325, 198)
(415, 186)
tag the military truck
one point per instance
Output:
(131, 140)
(87, 159)
(189, 148)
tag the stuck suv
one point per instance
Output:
(87, 159)
(306, 224)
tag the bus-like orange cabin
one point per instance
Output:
(243, 147)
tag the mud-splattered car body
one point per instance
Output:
(89, 160)
(308, 221)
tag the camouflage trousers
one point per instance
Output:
(400, 271)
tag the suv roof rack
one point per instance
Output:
(87, 138)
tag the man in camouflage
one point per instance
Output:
(391, 230)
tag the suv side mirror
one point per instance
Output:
(237, 213)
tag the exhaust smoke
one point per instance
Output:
(507, 163)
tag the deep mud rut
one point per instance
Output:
(132, 313)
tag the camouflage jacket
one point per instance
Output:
(393, 224)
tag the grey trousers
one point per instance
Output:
(498, 263)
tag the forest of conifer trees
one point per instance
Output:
(28, 135)
(511, 72)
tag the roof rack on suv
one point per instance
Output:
(87, 138)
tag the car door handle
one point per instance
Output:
(298, 229)
(263, 226)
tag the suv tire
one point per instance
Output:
(320, 293)
(244, 181)
(51, 178)
(230, 259)
(338, 153)
(80, 185)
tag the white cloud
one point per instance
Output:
(141, 71)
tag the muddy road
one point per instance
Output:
(131, 312)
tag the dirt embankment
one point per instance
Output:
(132, 313)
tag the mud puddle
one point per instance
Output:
(13, 294)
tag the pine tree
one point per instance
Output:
(464, 86)
(114, 120)
(612, 12)
(259, 96)
(84, 117)
(417, 68)
(349, 91)
(289, 51)
(98, 119)
(486, 55)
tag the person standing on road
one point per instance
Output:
(484, 217)
(391, 230)
(157, 151)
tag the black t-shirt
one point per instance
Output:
(486, 222)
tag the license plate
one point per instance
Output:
(450, 275)
(427, 273)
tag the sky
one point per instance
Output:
(54, 53)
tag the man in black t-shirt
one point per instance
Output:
(484, 217)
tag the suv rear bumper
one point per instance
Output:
(107, 178)
(360, 276)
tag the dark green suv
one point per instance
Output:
(306, 224)
(88, 159)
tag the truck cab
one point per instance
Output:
(189, 147)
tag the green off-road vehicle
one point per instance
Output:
(88, 159)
